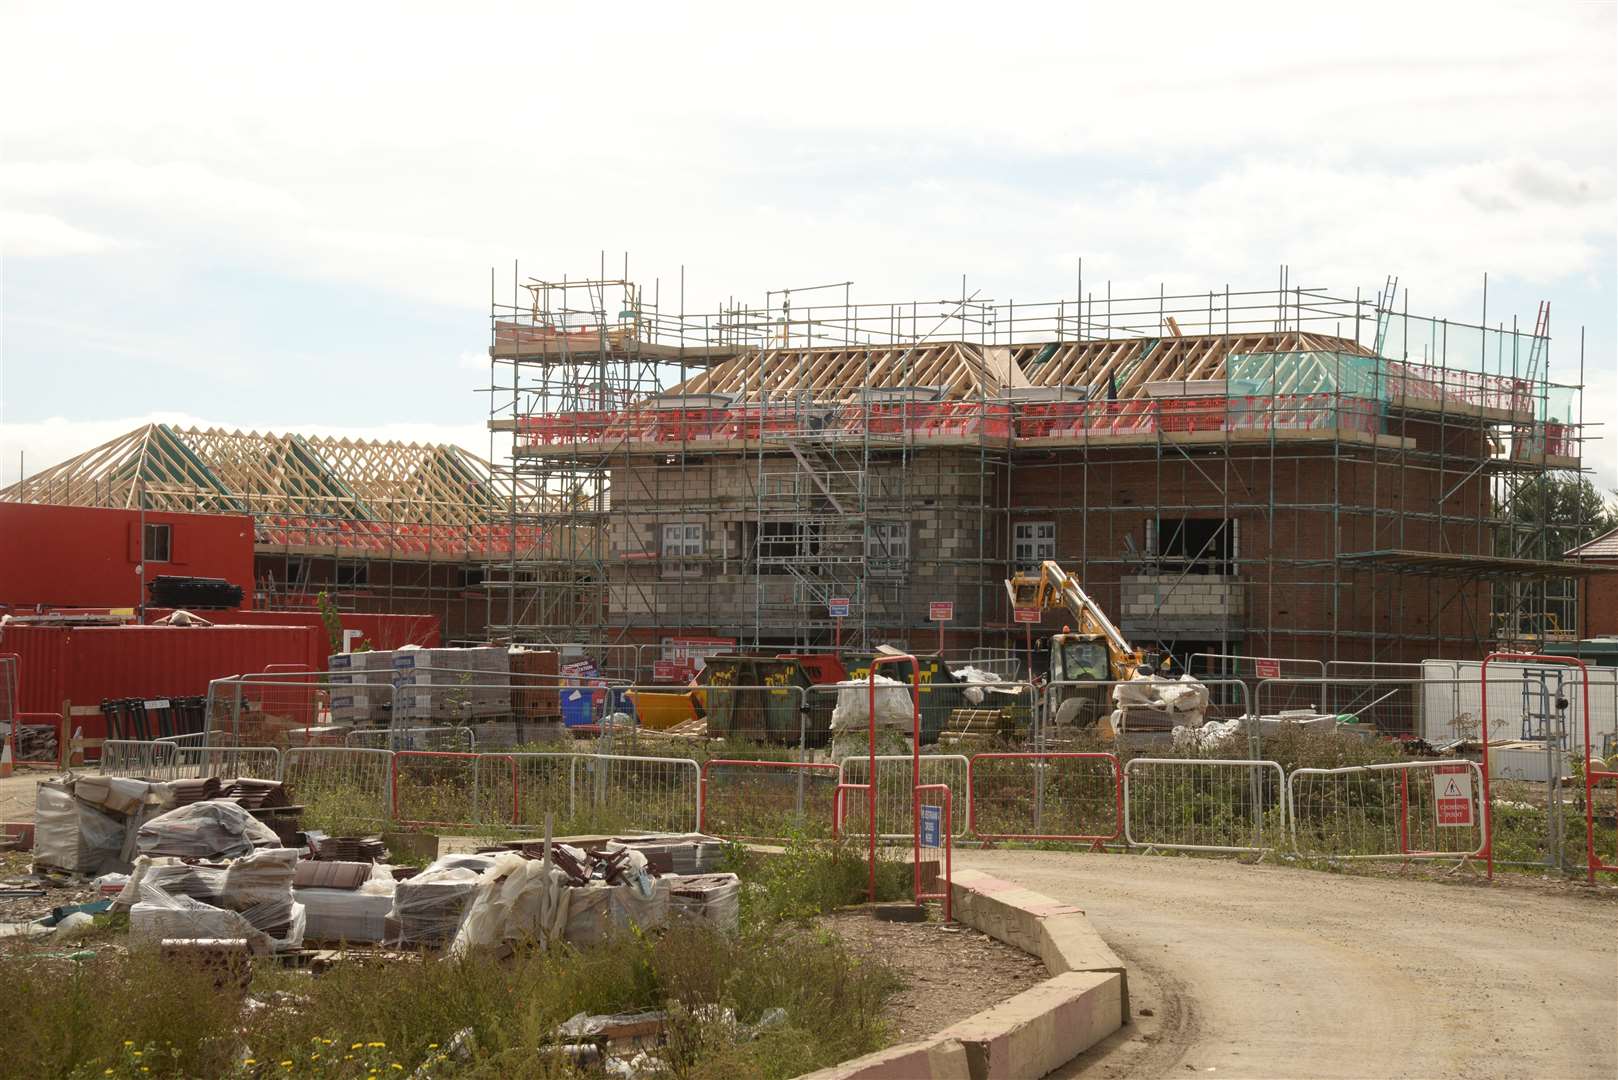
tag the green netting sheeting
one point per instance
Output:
(1306, 373)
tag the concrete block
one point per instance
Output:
(1041, 1028)
(1004, 911)
(1070, 943)
(936, 1057)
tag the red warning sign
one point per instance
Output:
(1452, 795)
(1267, 669)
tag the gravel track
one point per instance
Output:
(1268, 971)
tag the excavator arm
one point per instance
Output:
(1053, 587)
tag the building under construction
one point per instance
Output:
(390, 527)
(1272, 473)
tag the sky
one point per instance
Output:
(289, 219)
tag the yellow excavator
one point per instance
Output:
(1093, 650)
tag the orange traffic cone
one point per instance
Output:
(7, 761)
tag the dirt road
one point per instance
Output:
(1279, 972)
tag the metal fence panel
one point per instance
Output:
(1046, 796)
(768, 799)
(190, 762)
(137, 759)
(1204, 804)
(615, 792)
(443, 788)
(1397, 810)
(342, 788)
(455, 739)
(894, 809)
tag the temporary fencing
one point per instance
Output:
(165, 760)
(1077, 797)
(1204, 804)
(342, 784)
(768, 798)
(460, 739)
(133, 758)
(1251, 670)
(1396, 810)
(622, 791)
(196, 762)
(894, 809)
(436, 787)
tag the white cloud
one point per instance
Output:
(900, 147)
(25, 234)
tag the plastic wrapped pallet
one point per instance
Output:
(206, 830)
(250, 897)
(72, 835)
(517, 899)
(427, 909)
(452, 684)
(158, 916)
(712, 898)
(598, 911)
(349, 914)
(257, 886)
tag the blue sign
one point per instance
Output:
(932, 826)
(838, 607)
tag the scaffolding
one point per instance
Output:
(1278, 472)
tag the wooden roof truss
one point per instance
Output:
(967, 370)
(295, 476)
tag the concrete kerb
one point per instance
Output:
(1085, 999)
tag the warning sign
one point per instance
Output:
(941, 611)
(1267, 669)
(1026, 615)
(1452, 795)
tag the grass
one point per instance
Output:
(135, 1016)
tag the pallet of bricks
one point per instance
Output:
(536, 678)
(452, 685)
(361, 688)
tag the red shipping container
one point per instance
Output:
(86, 664)
(376, 630)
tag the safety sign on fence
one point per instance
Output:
(932, 826)
(1452, 795)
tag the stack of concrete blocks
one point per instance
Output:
(361, 688)
(452, 685)
(1182, 602)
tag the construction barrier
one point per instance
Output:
(1204, 804)
(436, 787)
(894, 810)
(1073, 797)
(768, 798)
(1398, 810)
(349, 785)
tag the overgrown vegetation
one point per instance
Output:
(134, 1016)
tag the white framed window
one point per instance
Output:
(682, 543)
(1032, 542)
(887, 547)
